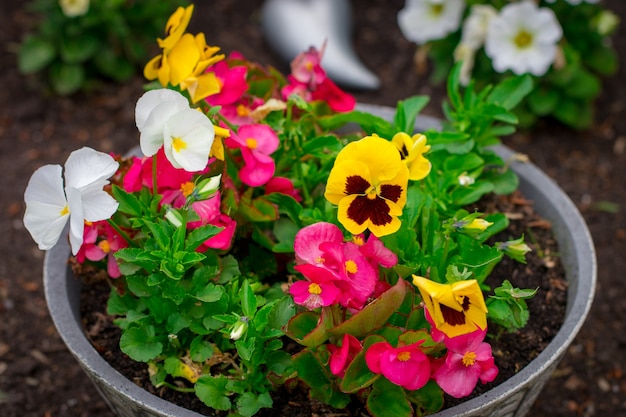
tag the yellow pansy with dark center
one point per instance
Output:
(368, 184)
(456, 309)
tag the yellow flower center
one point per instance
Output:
(65, 210)
(187, 188)
(371, 193)
(351, 266)
(436, 9)
(242, 110)
(315, 289)
(251, 143)
(319, 260)
(105, 246)
(469, 358)
(178, 144)
(523, 39)
(404, 356)
(358, 240)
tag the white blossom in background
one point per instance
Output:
(50, 202)
(74, 8)
(164, 119)
(423, 20)
(523, 38)
(576, 2)
(473, 37)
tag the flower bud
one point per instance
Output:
(516, 249)
(207, 187)
(239, 328)
(174, 217)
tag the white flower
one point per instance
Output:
(424, 20)
(466, 55)
(523, 38)
(188, 137)
(575, 2)
(49, 204)
(73, 8)
(476, 25)
(164, 118)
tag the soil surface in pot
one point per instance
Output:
(38, 376)
(512, 351)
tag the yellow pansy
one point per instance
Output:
(368, 182)
(412, 150)
(175, 27)
(456, 309)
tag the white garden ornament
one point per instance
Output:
(523, 38)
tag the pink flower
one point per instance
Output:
(101, 241)
(406, 366)
(296, 87)
(468, 360)
(308, 240)
(306, 67)
(256, 142)
(337, 99)
(314, 294)
(374, 249)
(233, 83)
(341, 357)
(209, 213)
(282, 185)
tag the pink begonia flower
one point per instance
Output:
(240, 112)
(406, 366)
(296, 87)
(306, 67)
(308, 240)
(168, 178)
(341, 357)
(337, 99)
(315, 293)
(468, 360)
(375, 250)
(233, 83)
(209, 213)
(101, 241)
(256, 142)
(357, 277)
(282, 185)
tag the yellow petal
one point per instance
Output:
(175, 27)
(183, 59)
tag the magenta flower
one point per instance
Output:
(232, 80)
(337, 99)
(101, 241)
(308, 240)
(282, 185)
(314, 294)
(406, 366)
(374, 249)
(306, 67)
(209, 213)
(256, 142)
(468, 360)
(341, 357)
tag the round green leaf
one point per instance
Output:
(35, 54)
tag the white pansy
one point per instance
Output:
(523, 38)
(50, 203)
(152, 111)
(73, 8)
(188, 137)
(423, 20)
(164, 119)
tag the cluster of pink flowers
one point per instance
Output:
(336, 271)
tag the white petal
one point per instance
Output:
(45, 202)
(197, 132)
(97, 205)
(77, 220)
(86, 167)
(153, 98)
(151, 138)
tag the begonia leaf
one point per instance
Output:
(427, 400)
(316, 375)
(388, 400)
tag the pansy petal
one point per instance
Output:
(77, 220)
(151, 99)
(87, 167)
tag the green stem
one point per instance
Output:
(154, 175)
(121, 233)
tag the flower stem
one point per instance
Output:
(122, 233)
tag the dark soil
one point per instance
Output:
(38, 377)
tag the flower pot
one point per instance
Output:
(513, 397)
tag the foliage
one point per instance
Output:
(109, 41)
(252, 244)
(566, 91)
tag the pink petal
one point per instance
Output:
(457, 379)
(373, 356)
(308, 240)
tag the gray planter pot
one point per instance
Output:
(513, 397)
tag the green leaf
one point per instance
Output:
(388, 400)
(35, 54)
(510, 92)
(375, 314)
(543, 101)
(358, 374)
(249, 403)
(407, 111)
(469, 194)
(66, 78)
(584, 85)
(141, 343)
(128, 202)
(427, 400)
(316, 376)
(287, 205)
(200, 349)
(321, 146)
(368, 122)
(209, 293)
(199, 235)
(77, 50)
(248, 300)
(309, 329)
(212, 391)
